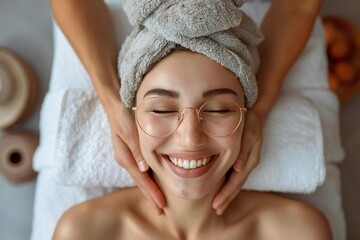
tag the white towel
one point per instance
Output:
(291, 158)
(84, 154)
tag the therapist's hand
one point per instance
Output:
(247, 160)
(128, 154)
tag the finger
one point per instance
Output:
(136, 152)
(228, 192)
(129, 155)
(158, 210)
(132, 143)
(221, 209)
(254, 156)
(151, 190)
(247, 144)
(143, 180)
(237, 179)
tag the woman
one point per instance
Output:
(88, 26)
(190, 159)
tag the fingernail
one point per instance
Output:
(160, 212)
(239, 165)
(160, 205)
(142, 165)
(219, 212)
(216, 205)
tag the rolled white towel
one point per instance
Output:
(292, 158)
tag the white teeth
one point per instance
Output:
(193, 164)
(186, 164)
(204, 162)
(190, 164)
(180, 163)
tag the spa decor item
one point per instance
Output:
(19, 95)
(343, 50)
(16, 153)
(18, 89)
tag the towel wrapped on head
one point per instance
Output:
(217, 29)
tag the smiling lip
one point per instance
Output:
(187, 172)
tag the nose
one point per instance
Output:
(189, 132)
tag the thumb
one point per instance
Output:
(246, 144)
(251, 157)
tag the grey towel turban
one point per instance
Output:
(217, 29)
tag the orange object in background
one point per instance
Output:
(343, 50)
(334, 81)
(345, 71)
(330, 33)
(340, 48)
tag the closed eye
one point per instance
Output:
(164, 111)
(217, 111)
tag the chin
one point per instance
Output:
(192, 189)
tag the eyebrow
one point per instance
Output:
(163, 92)
(218, 91)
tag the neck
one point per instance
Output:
(188, 218)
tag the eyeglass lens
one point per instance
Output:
(160, 116)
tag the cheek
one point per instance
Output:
(237, 138)
(231, 149)
(233, 145)
(148, 147)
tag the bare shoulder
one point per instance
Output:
(278, 217)
(98, 218)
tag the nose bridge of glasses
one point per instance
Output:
(196, 110)
(189, 119)
(189, 128)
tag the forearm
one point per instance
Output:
(87, 25)
(286, 27)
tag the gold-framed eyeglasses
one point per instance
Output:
(160, 116)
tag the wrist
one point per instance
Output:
(263, 106)
(109, 98)
(107, 87)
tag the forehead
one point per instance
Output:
(190, 74)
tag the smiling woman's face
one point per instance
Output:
(190, 79)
